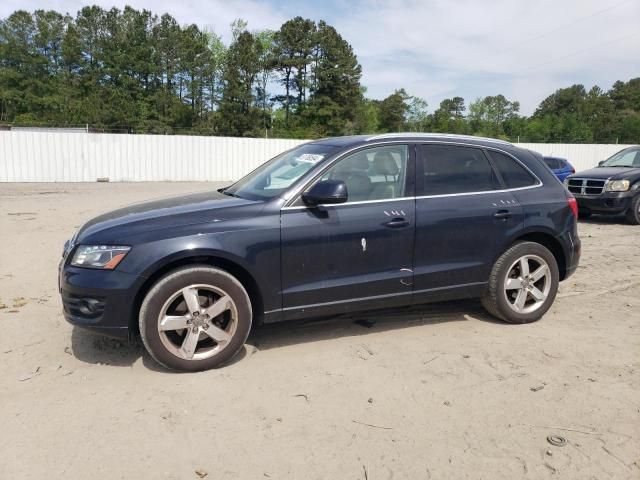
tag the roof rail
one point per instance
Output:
(436, 135)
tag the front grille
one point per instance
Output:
(586, 186)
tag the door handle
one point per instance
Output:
(398, 222)
(502, 214)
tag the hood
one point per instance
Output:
(160, 214)
(614, 173)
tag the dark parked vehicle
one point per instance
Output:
(328, 228)
(560, 167)
(612, 188)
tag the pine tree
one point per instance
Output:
(293, 47)
(335, 100)
(393, 110)
(238, 115)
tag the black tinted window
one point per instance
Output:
(449, 169)
(513, 174)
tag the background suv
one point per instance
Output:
(560, 167)
(330, 227)
(612, 188)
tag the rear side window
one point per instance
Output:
(513, 174)
(451, 169)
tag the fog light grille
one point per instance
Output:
(85, 307)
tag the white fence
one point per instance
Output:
(85, 157)
(581, 156)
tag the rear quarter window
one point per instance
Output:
(512, 172)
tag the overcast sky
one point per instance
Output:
(438, 49)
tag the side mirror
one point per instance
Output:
(600, 163)
(326, 192)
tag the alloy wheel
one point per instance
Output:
(528, 283)
(197, 322)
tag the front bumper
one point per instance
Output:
(609, 202)
(98, 300)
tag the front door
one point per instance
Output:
(356, 255)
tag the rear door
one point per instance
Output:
(463, 215)
(357, 255)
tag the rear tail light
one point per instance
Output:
(573, 170)
(573, 204)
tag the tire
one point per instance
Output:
(633, 214)
(179, 338)
(502, 302)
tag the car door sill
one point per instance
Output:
(378, 297)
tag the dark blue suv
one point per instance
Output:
(331, 227)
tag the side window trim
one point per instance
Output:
(296, 199)
(496, 170)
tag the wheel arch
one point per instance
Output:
(210, 259)
(550, 242)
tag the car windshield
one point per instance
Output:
(629, 157)
(278, 174)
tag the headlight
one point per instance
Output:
(106, 257)
(617, 186)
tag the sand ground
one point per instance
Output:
(443, 392)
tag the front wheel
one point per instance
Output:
(195, 318)
(523, 283)
(633, 214)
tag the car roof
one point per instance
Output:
(356, 140)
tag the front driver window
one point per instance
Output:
(374, 174)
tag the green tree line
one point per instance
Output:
(134, 71)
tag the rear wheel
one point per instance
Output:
(195, 318)
(633, 214)
(523, 283)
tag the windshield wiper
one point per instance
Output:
(226, 192)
